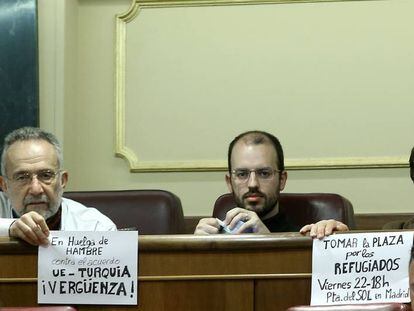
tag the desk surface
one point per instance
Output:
(187, 272)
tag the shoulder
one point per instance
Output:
(73, 205)
(408, 224)
(87, 218)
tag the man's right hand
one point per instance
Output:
(32, 228)
(323, 228)
(207, 226)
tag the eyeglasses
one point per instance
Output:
(44, 176)
(263, 174)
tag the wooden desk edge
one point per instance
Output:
(184, 242)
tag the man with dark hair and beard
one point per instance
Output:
(256, 176)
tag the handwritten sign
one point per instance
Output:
(361, 268)
(89, 268)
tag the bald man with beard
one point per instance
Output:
(256, 177)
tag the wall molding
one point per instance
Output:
(136, 165)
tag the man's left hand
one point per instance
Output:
(30, 227)
(323, 228)
(252, 222)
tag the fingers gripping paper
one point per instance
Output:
(89, 268)
(361, 268)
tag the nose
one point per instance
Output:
(253, 182)
(36, 187)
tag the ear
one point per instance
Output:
(63, 178)
(282, 180)
(3, 184)
(228, 182)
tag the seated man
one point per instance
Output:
(256, 177)
(32, 182)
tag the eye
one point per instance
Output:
(22, 177)
(242, 174)
(46, 175)
(265, 173)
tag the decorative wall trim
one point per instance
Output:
(197, 3)
(121, 150)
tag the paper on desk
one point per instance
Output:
(89, 268)
(226, 229)
(361, 268)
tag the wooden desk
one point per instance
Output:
(186, 272)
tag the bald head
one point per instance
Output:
(258, 138)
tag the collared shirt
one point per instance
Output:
(75, 217)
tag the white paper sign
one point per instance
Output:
(89, 268)
(361, 268)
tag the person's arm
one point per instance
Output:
(323, 228)
(31, 227)
(252, 222)
(207, 226)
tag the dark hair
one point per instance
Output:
(257, 138)
(411, 161)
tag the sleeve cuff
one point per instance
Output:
(5, 224)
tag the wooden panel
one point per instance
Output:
(22, 294)
(18, 266)
(186, 272)
(160, 295)
(212, 263)
(272, 294)
(197, 295)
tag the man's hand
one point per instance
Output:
(32, 228)
(207, 226)
(252, 222)
(323, 228)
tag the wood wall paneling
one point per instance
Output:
(186, 272)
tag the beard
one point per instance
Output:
(47, 212)
(260, 209)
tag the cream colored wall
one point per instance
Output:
(77, 67)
